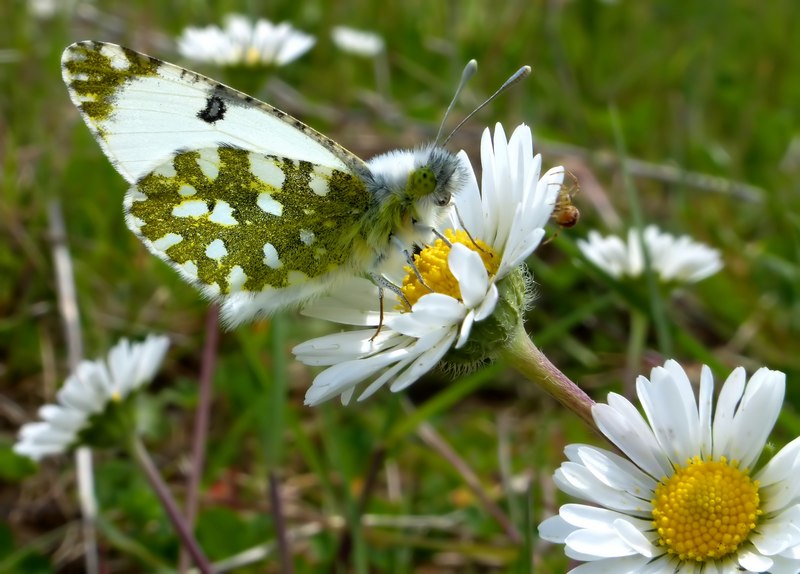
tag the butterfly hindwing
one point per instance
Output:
(231, 220)
(143, 110)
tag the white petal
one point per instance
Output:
(555, 529)
(778, 484)
(753, 562)
(633, 537)
(705, 407)
(464, 331)
(576, 480)
(784, 565)
(336, 379)
(468, 202)
(592, 517)
(620, 565)
(778, 532)
(613, 470)
(387, 375)
(347, 395)
(431, 313)
(520, 252)
(672, 418)
(488, 304)
(503, 187)
(468, 269)
(349, 345)
(62, 418)
(355, 301)
(36, 451)
(624, 426)
(603, 544)
(424, 363)
(756, 415)
(491, 204)
(727, 402)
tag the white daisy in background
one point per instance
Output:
(687, 498)
(469, 279)
(89, 392)
(245, 43)
(358, 42)
(673, 259)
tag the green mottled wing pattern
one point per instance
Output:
(236, 221)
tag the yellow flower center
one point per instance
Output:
(431, 263)
(706, 509)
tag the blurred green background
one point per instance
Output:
(707, 95)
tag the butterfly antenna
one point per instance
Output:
(518, 75)
(469, 71)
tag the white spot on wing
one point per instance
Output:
(187, 190)
(307, 236)
(266, 170)
(269, 205)
(166, 169)
(320, 180)
(117, 57)
(135, 223)
(189, 269)
(167, 241)
(216, 250)
(271, 258)
(236, 278)
(222, 214)
(135, 195)
(190, 208)
(209, 162)
(319, 186)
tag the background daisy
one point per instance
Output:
(687, 496)
(245, 42)
(87, 393)
(673, 259)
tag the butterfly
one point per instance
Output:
(257, 210)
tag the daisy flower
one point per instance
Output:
(97, 387)
(688, 497)
(358, 42)
(673, 259)
(245, 43)
(468, 291)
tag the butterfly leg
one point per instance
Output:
(464, 227)
(382, 284)
(410, 261)
(380, 318)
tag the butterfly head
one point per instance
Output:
(437, 175)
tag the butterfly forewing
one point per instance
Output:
(232, 220)
(143, 110)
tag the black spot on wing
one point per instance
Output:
(214, 111)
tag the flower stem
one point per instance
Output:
(636, 339)
(147, 465)
(526, 357)
(68, 308)
(201, 423)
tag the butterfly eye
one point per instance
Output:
(443, 199)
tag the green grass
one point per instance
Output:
(706, 87)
